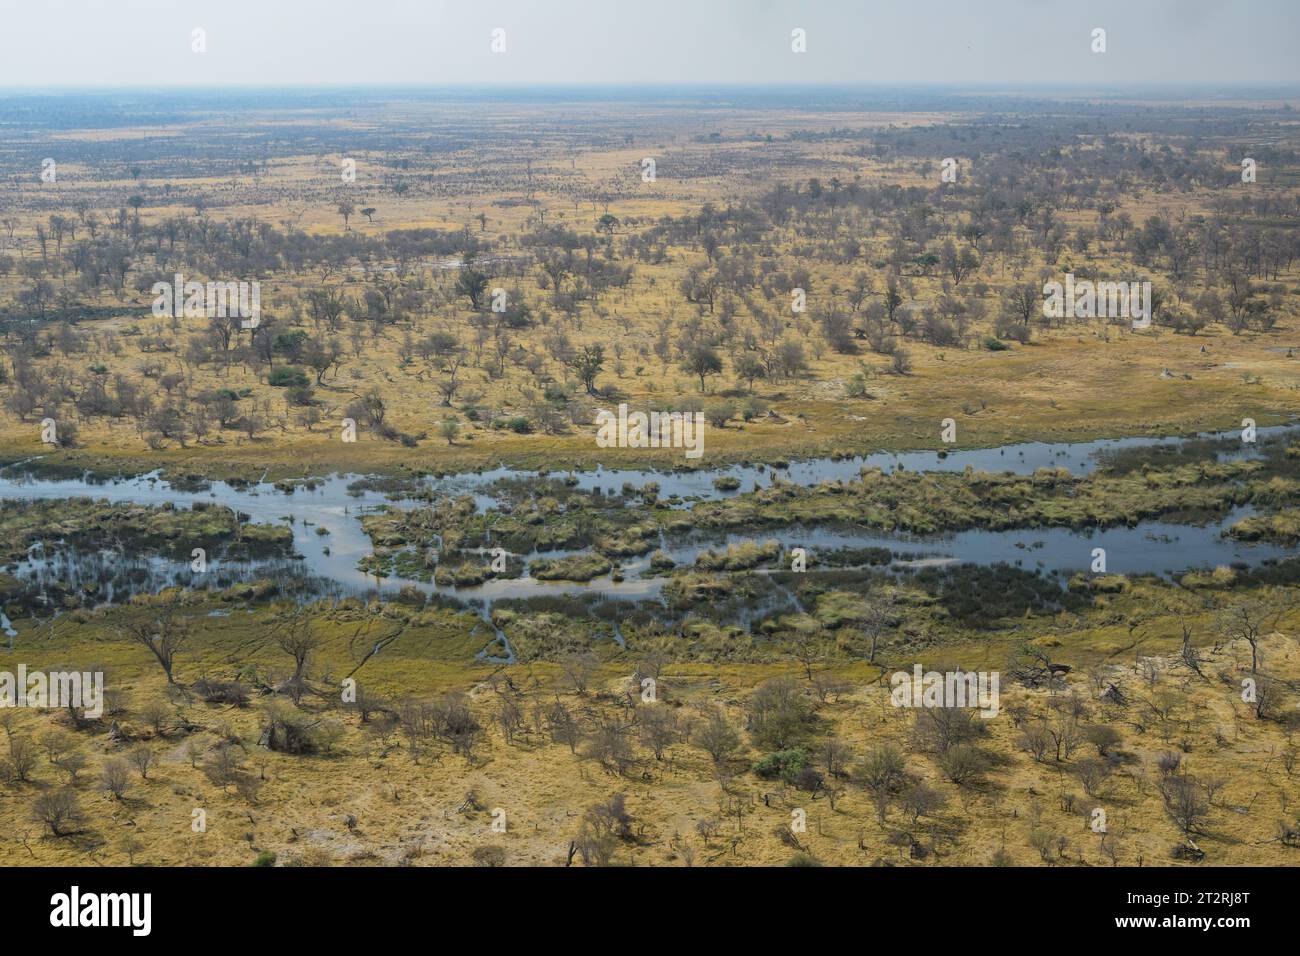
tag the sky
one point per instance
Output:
(1009, 43)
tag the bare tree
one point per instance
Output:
(1189, 654)
(718, 738)
(882, 774)
(1247, 622)
(608, 745)
(293, 634)
(23, 757)
(562, 726)
(578, 667)
(59, 810)
(142, 758)
(1185, 801)
(658, 728)
(115, 777)
(873, 621)
(164, 631)
(71, 763)
(920, 800)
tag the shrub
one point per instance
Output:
(490, 856)
(718, 414)
(517, 424)
(780, 714)
(856, 386)
(287, 376)
(785, 765)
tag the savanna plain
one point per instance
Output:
(365, 589)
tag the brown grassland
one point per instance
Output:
(1128, 695)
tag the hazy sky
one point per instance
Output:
(309, 42)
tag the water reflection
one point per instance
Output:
(324, 514)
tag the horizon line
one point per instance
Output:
(695, 85)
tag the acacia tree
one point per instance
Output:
(749, 367)
(587, 363)
(346, 209)
(471, 284)
(449, 429)
(702, 362)
(450, 381)
(320, 357)
(1024, 302)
